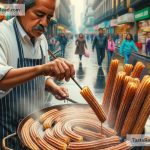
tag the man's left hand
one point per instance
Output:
(60, 93)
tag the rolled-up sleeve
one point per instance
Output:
(4, 68)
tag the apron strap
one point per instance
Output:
(20, 48)
(19, 43)
(42, 55)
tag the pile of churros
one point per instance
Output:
(128, 103)
(73, 128)
(124, 110)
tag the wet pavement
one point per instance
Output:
(87, 74)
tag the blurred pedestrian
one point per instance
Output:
(116, 38)
(92, 37)
(52, 42)
(63, 42)
(147, 48)
(136, 37)
(80, 46)
(110, 49)
(127, 47)
(100, 42)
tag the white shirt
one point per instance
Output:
(9, 49)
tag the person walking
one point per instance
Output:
(80, 46)
(110, 49)
(25, 71)
(127, 47)
(52, 42)
(63, 42)
(100, 42)
(147, 47)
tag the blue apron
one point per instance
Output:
(23, 99)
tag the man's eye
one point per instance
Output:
(39, 15)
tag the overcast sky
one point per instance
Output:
(79, 5)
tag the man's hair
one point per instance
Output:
(28, 4)
(100, 29)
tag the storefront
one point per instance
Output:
(143, 25)
(113, 24)
(107, 27)
(125, 24)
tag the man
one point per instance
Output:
(100, 42)
(63, 42)
(24, 66)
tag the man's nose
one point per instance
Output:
(44, 21)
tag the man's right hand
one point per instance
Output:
(59, 69)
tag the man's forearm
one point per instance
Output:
(18, 76)
(56, 69)
(50, 84)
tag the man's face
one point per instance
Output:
(100, 31)
(39, 14)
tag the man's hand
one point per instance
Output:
(60, 93)
(59, 69)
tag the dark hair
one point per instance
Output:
(100, 29)
(81, 34)
(28, 4)
(131, 37)
(109, 36)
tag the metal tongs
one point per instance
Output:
(71, 100)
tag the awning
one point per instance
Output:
(113, 22)
(126, 18)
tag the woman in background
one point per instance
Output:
(147, 48)
(80, 46)
(127, 47)
(110, 49)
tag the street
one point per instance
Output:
(87, 74)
